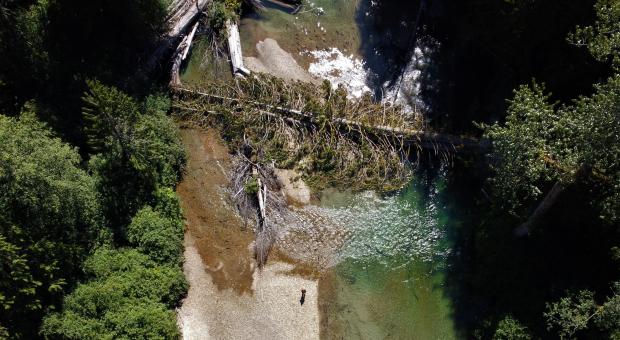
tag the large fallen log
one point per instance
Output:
(234, 49)
(421, 138)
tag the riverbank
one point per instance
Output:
(229, 298)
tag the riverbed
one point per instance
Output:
(377, 261)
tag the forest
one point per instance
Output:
(91, 228)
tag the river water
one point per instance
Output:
(383, 274)
(389, 282)
(388, 279)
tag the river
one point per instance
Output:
(383, 275)
(389, 283)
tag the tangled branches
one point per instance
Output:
(257, 196)
(332, 140)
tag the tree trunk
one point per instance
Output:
(422, 138)
(542, 209)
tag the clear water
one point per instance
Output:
(320, 25)
(389, 280)
(202, 66)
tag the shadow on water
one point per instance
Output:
(387, 30)
(479, 52)
(492, 273)
(486, 49)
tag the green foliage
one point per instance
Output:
(540, 144)
(576, 312)
(251, 186)
(111, 116)
(608, 316)
(128, 298)
(16, 282)
(233, 5)
(603, 38)
(49, 214)
(156, 235)
(510, 329)
(145, 320)
(106, 261)
(139, 159)
(571, 314)
(167, 203)
(522, 148)
(218, 14)
(51, 210)
(158, 154)
(139, 149)
(30, 24)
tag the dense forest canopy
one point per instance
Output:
(89, 161)
(61, 201)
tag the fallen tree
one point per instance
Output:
(180, 55)
(316, 129)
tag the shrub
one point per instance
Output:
(129, 298)
(157, 236)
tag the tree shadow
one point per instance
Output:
(387, 38)
(492, 273)
(477, 52)
(482, 50)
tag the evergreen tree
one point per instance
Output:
(49, 217)
(138, 149)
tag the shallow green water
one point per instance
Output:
(390, 283)
(321, 24)
(202, 66)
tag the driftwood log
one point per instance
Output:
(181, 15)
(180, 55)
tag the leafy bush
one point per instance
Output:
(218, 15)
(160, 237)
(128, 299)
(511, 329)
(167, 203)
(107, 261)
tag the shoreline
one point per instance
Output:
(229, 298)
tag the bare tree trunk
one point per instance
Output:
(542, 209)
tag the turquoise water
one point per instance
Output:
(390, 282)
